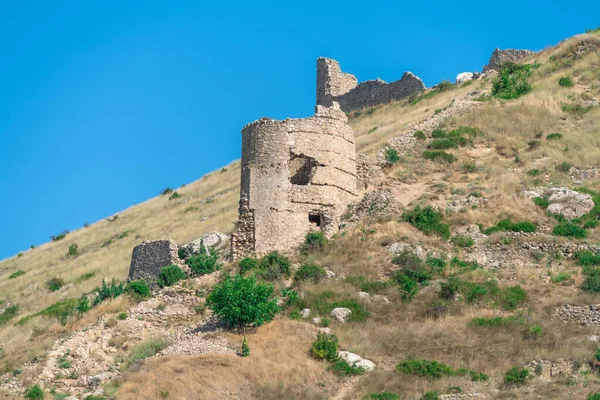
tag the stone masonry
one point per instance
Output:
(297, 175)
(149, 257)
(335, 85)
(501, 56)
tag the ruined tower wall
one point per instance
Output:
(297, 175)
(338, 86)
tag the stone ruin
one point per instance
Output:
(150, 256)
(298, 175)
(499, 57)
(333, 85)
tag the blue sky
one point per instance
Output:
(104, 103)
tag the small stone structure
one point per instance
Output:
(499, 57)
(297, 175)
(335, 85)
(584, 315)
(149, 257)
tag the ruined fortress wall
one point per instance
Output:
(501, 56)
(150, 256)
(338, 86)
(297, 175)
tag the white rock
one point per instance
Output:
(356, 360)
(329, 274)
(464, 77)
(305, 313)
(316, 320)
(341, 313)
(327, 331)
(417, 250)
(363, 295)
(569, 203)
(209, 240)
(381, 298)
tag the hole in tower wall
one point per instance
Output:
(315, 219)
(301, 169)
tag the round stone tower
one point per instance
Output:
(298, 175)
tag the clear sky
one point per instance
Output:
(105, 103)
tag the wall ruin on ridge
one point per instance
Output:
(335, 85)
(298, 175)
(499, 57)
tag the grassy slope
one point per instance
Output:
(508, 126)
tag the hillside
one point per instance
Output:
(543, 138)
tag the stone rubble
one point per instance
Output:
(563, 201)
(341, 313)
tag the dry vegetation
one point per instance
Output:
(279, 366)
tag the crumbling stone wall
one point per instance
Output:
(501, 56)
(149, 257)
(297, 175)
(584, 315)
(335, 85)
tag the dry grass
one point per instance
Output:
(278, 368)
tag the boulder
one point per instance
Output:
(464, 77)
(570, 204)
(210, 240)
(305, 313)
(417, 250)
(356, 360)
(341, 313)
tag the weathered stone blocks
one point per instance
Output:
(149, 257)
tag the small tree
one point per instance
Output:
(170, 275)
(241, 301)
(205, 262)
(245, 348)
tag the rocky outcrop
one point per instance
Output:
(341, 313)
(563, 201)
(356, 360)
(378, 203)
(210, 240)
(464, 77)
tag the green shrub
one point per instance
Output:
(241, 301)
(325, 347)
(314, 240)
(569, 229)
(535, 172)
(122, 316)
(554, 136)
(16, 274)
(9, 313)
(444, 86)
(439, 156)
(438, 133)
(85, 277)
(442, 144)
(409, 287)
(369, 286)
(561, 277)
(542, 202)
(462, 241)
(575, 109)
(450, 288)
(107, 291)
(469, 168)
(247, 264)
(205, 262)
(587, 258)
(508, 225)
(516, 376)
(428, 221)
(60, 236)
(384, 396)
(497, 322)
(53, 284)
(274, 266)
(145, 349)
(34, 392)
(512, 81)
(431, 396)
(591, 283)
(565, 81)
(73, 250)
(596, 395)
(564, 167)
(597, 30)
(170, 275)
(420, 135)
(512, 297)
(430, 369)
(391, 155)
(83, 304)
(166, 191)
(245, 348)
(61, 310)
(138, 288)
(341, 368)
(311, 272)
(174, 196)
(291, 297)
